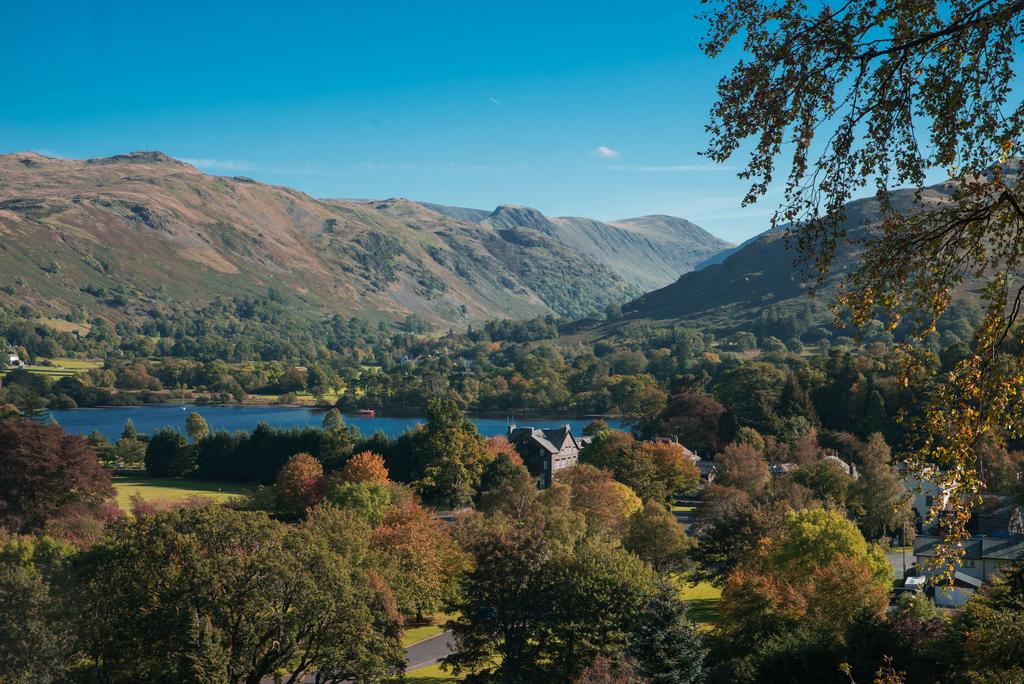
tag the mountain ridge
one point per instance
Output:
(123, 235)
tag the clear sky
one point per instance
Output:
(576, 108)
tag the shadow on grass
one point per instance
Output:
(704, 610)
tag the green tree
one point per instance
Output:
(656, 536)
(129, 431)
(232, 594)
(37, 643)
(333, 421)
(992, 622)
(880, 494)
(450, 454)
(196, 426)
(369, 500)
(750, 392)
(534, 610)
(666, 644)
(168, 454)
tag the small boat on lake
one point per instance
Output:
(366, 413)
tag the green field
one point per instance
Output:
(421, 632)
(703, 599)
(156, 489)
(60, 368)
(432, 674)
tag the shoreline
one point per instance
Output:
(512, 416)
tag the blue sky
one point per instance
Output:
(576, 108)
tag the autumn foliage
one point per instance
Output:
(299, 485)
(365, 466)
(47, 474)
(498, 445)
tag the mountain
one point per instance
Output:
(122, 237)
(758, 284)
(647, 252)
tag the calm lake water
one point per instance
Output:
(110, 421)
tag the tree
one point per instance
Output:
(798, 576)
(418, 558)
(606, 504)
(875, 78)
(880, 494)
(47, 475)
(656, 536)
(450, 455)
(540, 603)
(365, 466)
(233, 595)
(742, 467)
(992, 622)
(751, 391)
(505, 596)
(666, 645)
(168, 454)
(369, 500)
(674, 469)
(196, 426)
(596, 602)
(500, 446)
(299, 485)
(129, 431)
(36, 644)
(694, 418)
(333, 421)
(827, 480)
(603, 670)
(729, 527)
(627, 460)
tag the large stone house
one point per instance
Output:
(545, 451)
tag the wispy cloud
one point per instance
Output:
(605, 152)
(673, 168)
(496, 101)
(219, 164)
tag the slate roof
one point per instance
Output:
(552, 440)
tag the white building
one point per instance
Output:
(983, 558)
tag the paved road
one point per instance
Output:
(428, 651)
(896, 561)
(420, 654)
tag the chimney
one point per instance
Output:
(511, 429)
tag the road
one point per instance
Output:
(428, 651)
(418, 655)
(896, 559)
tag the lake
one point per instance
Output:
(110, 421)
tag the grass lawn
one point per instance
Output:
(703, 599)
(683, 509)
(432, 674)
(60, 368)
(421, 632)
(154, 489)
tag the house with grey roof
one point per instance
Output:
(984, 556)
(545, 451)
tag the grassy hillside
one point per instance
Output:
(759, 283)
(646, 252)
(124, 236)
